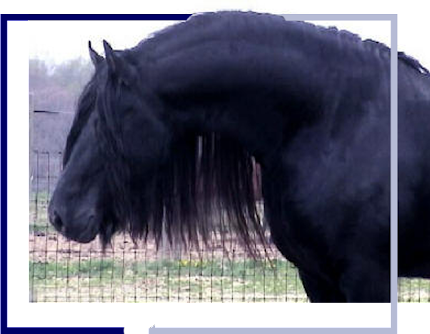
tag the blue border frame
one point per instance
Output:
(3, 174)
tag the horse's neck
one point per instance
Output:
(258, 111)
(247, 120)
(257, 93)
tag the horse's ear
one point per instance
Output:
(95, 57)
(117, 65)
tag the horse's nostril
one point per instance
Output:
(56, 221)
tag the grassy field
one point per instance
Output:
(107, 280)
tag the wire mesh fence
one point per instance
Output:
(64, 271)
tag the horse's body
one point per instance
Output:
(414, 168)
(310, 105)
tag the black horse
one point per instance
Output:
(168, 134)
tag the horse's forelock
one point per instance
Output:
(85, 107)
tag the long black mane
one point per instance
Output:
(204, 185)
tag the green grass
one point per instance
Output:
(165, 280)
(99, 280)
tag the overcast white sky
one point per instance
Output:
(62, 40)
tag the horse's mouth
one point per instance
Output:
(88, 234)
(85, 235)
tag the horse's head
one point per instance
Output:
(113, 149)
